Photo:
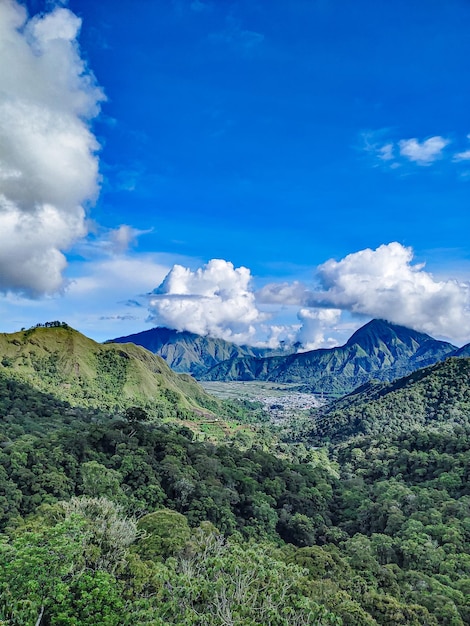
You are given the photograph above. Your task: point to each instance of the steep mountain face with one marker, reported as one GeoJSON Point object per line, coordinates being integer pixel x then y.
{"type": "Point", "coordinates": [432, 396]}
{"type": "Point", "coordinates": [189, 352]}
{"type": "Point", "coordinates": [74, 368]}
{"type": "Point", "coordinates": [378, 350]}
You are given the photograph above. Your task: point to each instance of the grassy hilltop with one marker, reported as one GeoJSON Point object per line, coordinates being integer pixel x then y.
{"type": "Point", "coordinates": [63, 362]}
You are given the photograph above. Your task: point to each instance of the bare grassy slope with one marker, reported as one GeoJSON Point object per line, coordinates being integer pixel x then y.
{"type": "Point", "coordinates": [62, 361]}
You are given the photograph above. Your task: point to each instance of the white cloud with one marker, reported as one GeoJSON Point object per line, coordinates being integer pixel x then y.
{"type": "Point", "coordinates": [423, 153]}
{"type": "Point", "coordinates": [28, 261]}
{"type": "Point", "coordinates": [48, 163]}
{"type": "Point", "coordinates": [385, 153]}
{"type": "Point", "coordinates": [283, 293]}
{"type": "Point", "coordinates": [315, 324]}
{"type": "Point", "coordinates": [113, 279]}
{"type": "Point", "coordinates": [96, 301]}
{"type": "Point", "coordinates": [276, 335]}
{"type": "Point", "coordinates": [382, 153]}
{"type": "Point", "coordinates": [122, 238]}
{"type": "Point", "coordinates": [392, 154]}
{"type": "Point", "coordinates": [462, 156]}
{"type": "Point", "coordinates": [214, 300]}
{"type": "Point", "coordinates": [384, 283]}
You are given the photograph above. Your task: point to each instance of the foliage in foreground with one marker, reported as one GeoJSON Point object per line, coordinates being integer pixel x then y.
{"type": "Point", "coordinates": [382, 537]}
{"type": "Point", "coordinates": [82, 563]}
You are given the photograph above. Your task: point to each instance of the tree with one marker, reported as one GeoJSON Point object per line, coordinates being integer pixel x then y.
{"type": "Point", "coordinates": [35, 569]}
{"type": "Point", "coordinates": [164, 533]}
{"type": "Point", "coordinates": [98, 481]}
{"type": "Point", "coordinates": [66, 573]}
{"type": "Point", "coordinates": [235, 582]}
{"type": "Point", "coordinates": [108, 532]}
{"type": "Point", "coordinates": [136, 414]}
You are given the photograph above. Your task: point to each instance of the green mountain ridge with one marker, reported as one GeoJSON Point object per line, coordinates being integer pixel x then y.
{"type": "Point", "coordinates": [187, 352]}
{"type": "Point", "coordinates": [378, 350]}
{"type": "Point", "coordinates": [63, 362]}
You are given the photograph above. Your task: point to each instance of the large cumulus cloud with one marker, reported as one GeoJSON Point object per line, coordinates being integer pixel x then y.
{"type": "Point", "coordinates": [215, 300]}
{"type": "Point", "coordinates": [48, 162]}
{"type": "Point", "coordinates": [384, 283]}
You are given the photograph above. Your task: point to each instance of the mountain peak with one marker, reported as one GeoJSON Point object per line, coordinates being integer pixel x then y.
{"type": "Point", "coordinates": [379, 331]}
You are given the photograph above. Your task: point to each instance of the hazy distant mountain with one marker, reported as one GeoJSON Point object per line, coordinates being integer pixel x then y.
{"type": "Point", "coordinates": [430, 396]}
{"type": "Point", "coordinates": [189, 352]}
{"type": "Point", "coordinates": [464, 351]}
{"type": "Point", "coordinates": [378, 350]}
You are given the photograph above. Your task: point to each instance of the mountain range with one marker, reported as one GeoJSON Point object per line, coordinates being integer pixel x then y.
{"type": "Point", "coordinates": [76, 369]}
{"type": "Point", "coordinates": [194, 354]}
{"type": "Point", "coordinates": [379, 350]}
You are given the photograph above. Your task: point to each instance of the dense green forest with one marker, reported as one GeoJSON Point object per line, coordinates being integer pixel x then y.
{"type": "Point", "coordinates": [114, 518]}
{"type": "Point", "coordinates": [439, 394]}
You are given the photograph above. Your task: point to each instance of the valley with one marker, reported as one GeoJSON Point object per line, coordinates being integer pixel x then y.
{"type": "Point", "coordinates": [280, 401]}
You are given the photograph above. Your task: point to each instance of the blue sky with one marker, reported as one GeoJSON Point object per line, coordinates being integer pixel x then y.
{"type": "Point", "coordinates": [322, 145]}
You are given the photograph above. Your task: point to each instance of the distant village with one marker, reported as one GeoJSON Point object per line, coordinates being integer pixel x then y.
{"type": "Point", "coordinates": [280, 407]}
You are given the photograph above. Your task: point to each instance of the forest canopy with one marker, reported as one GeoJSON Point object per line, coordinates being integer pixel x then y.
{"type": "Point", "coordinates": [135, 521]}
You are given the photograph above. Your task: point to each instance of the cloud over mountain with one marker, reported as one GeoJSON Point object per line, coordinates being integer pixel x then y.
{"type": "Point", "coordinates": [218, 300]}
{"type": "Point", "coordinates": [384, 283]}
{"type": "Point", "coordinates": [215, 300]}
{"type": "Point", "coordinates": [48, 162]}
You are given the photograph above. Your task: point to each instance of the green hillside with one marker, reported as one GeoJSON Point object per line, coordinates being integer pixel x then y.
{"type": "Point", "coordinates": [63, 362]}
{"type": "Point", "coordinates": [439, 394]}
